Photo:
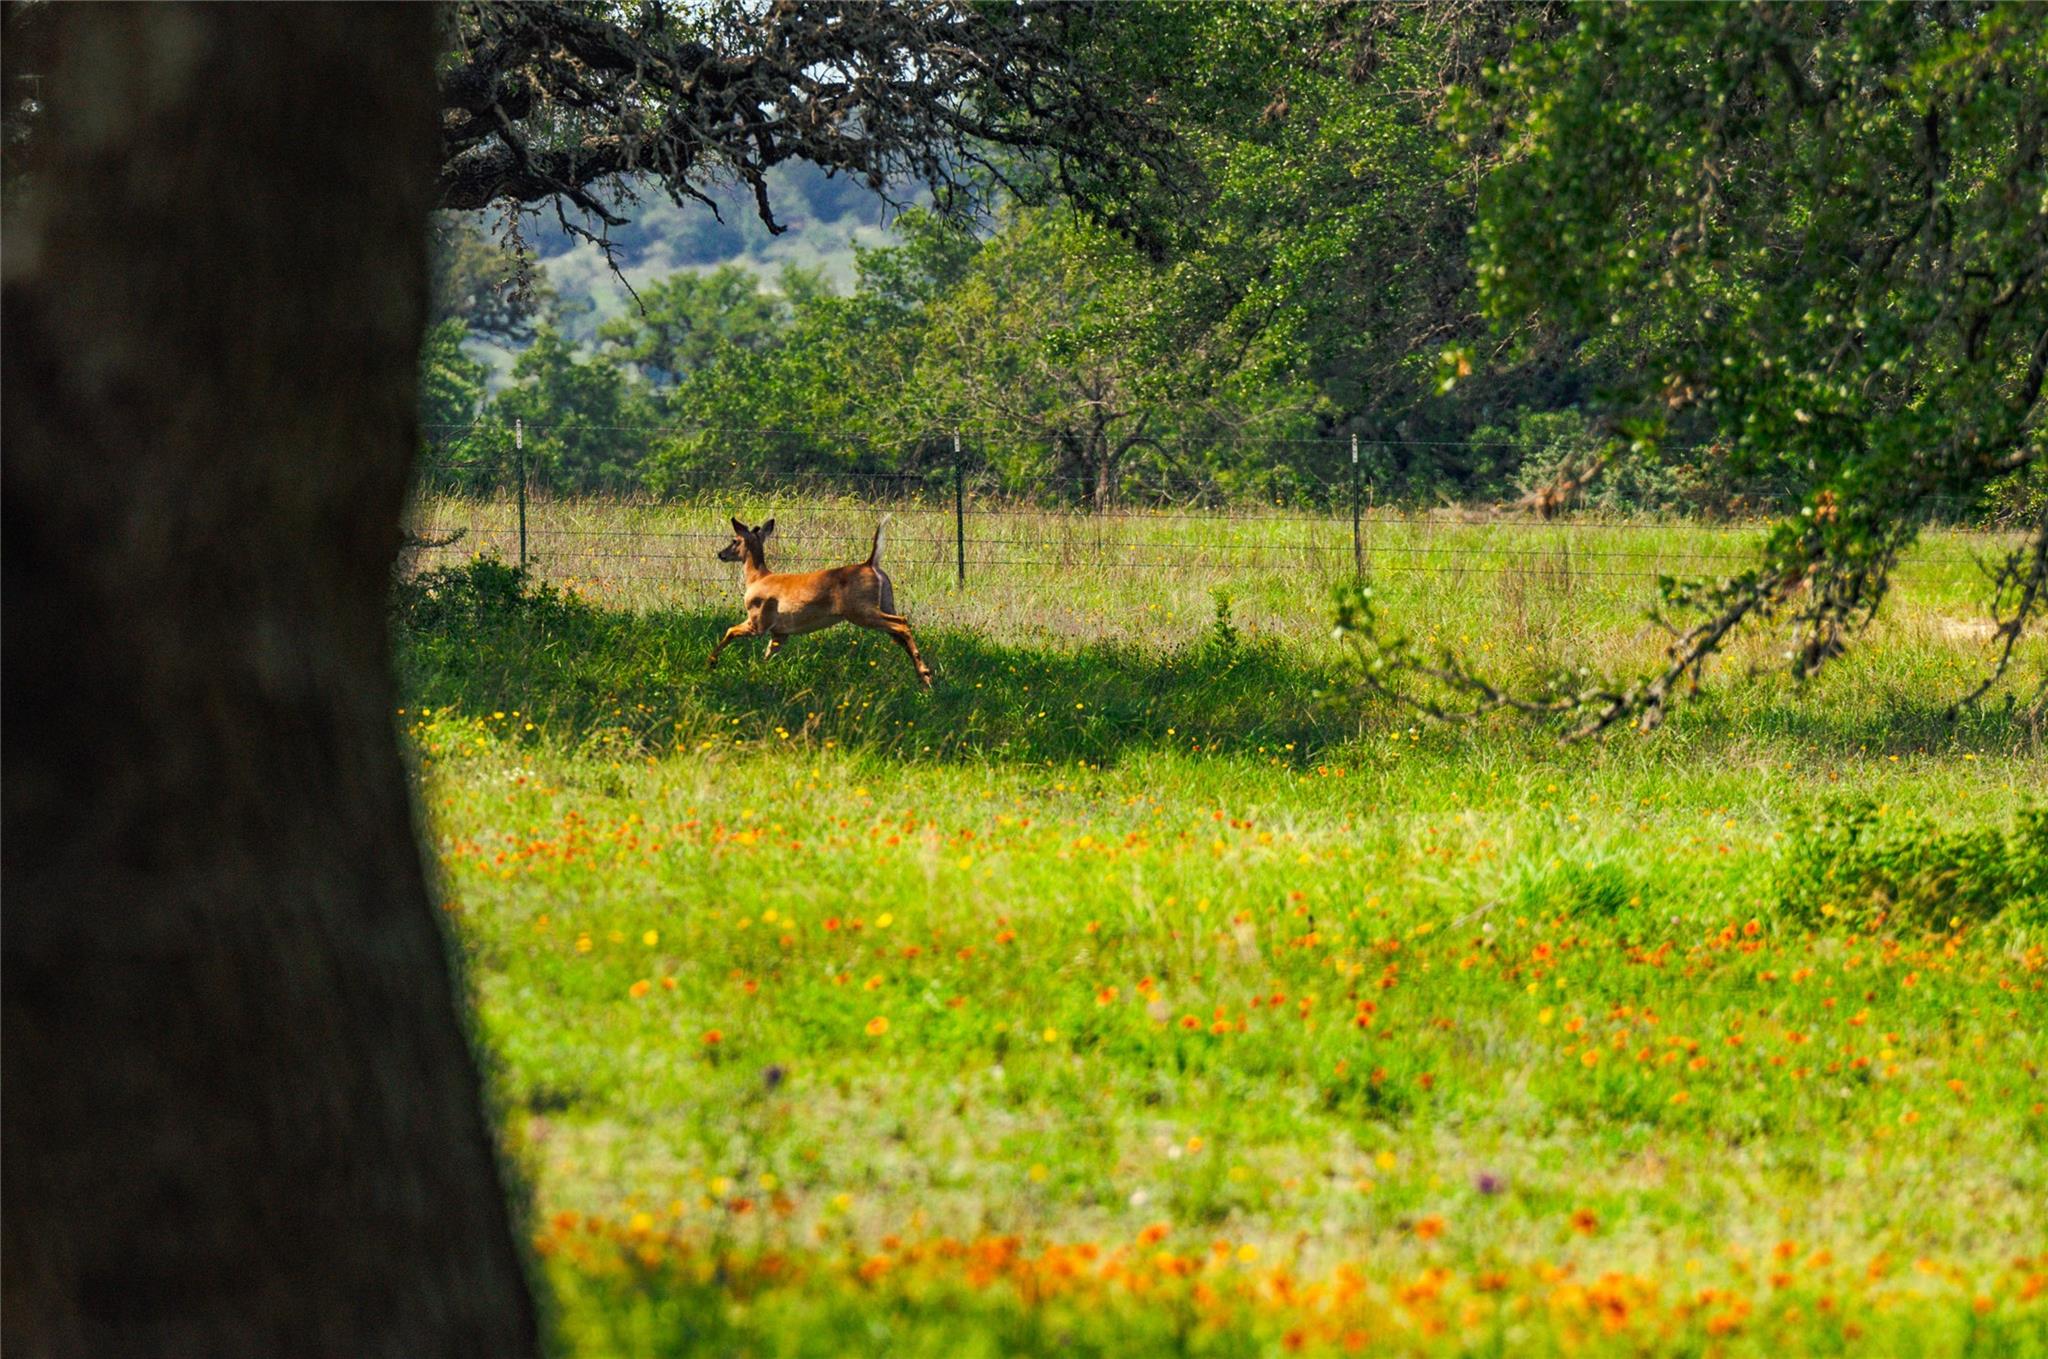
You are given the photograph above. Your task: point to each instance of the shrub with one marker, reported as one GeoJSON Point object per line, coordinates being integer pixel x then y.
{"type": "Point", "coordinates": [1861, 864]}
{"type": "Point", "coordinates": [483, 592]}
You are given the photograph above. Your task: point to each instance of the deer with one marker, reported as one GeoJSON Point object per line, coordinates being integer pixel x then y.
{"type": "Point", "coordinates": [785, 604]}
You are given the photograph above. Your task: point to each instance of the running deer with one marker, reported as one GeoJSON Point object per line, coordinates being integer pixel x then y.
{"type": "Point", "coordinates": [783, 604]}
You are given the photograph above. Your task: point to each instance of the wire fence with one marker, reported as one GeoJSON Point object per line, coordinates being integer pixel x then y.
{"type": "Point", "coordinates": [963, 529]}
{"type": "Point", "coordinates": [1216, 475]}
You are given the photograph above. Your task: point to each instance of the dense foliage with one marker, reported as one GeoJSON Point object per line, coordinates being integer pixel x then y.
{"type": "Point", "coordinates": [1812, 240]}
{"type": "Point", "coordinates": [1314, 261]}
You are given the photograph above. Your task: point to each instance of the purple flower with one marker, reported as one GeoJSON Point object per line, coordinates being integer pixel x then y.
{"type": "Point", "coordinates": [772, 1077]}
{"type": "Point", "coordinates": [1490, 1183]}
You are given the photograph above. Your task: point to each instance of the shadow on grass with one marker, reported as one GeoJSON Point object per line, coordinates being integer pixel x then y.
{"type": "Point", "coordinates": [1759, 713]}
{"type": "Point", "coordinates": [479, 639]}
{"type": "Point", "coordinates": [641, 680]}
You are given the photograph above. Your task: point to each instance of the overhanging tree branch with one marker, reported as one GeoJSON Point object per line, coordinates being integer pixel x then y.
{"type": "Point", "coordinates": [581, 102]}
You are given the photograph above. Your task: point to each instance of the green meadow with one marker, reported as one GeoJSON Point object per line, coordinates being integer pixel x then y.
{"type": "Point", "coordinates": [1143, 989]}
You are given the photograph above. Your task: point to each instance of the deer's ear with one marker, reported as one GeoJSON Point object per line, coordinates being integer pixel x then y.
{"type": "Point", "coordinates": [766, 528]}
{"type": "Point", "coordinates": [739, 528]}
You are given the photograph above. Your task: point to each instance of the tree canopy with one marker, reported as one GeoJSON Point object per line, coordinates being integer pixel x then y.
{"type": "Point", "coordinates": [582, 103]}
{"type": "Point", "coordinates": [1813, 241]}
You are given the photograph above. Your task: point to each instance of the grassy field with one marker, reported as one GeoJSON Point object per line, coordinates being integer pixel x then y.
{"type": "Point", "coordinates": [1142, 991]}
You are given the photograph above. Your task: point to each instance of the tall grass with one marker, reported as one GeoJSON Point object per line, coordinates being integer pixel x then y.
{"type": "Point", "coordinates": [1216, 640]}
{"type": "Point", "coordinates": [1035, 574]}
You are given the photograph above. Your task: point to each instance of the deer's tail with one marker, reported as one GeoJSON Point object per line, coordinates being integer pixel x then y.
{"type": "Point", "coordinates": [875, 552]}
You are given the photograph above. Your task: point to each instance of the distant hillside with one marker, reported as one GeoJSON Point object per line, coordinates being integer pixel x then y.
{"type": "Point", "coordinates": [826, 217]}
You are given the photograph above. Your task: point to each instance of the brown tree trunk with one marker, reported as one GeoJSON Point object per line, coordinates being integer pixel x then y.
{"type": "Point", "coordinates": [241, 1113]}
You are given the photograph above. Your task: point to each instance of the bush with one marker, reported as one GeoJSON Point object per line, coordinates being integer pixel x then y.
{"type": "Point", "coordinates": [483, 592]}
{"type": "Point", "coordinates": [1862, 865]}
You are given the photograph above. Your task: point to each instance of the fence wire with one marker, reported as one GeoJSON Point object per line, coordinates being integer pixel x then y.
{"type": "Point", "coordinates": [958, 525]}
{"type": "Point", "coordinates": [663, 551]}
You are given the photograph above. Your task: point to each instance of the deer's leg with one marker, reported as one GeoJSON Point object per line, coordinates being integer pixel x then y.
{"type": "Point", "coordinates": [898, 628]}
{"type": "Point", "coordinates": [760, 619]}
{"type": "Point", "coordinates": [745, 629]}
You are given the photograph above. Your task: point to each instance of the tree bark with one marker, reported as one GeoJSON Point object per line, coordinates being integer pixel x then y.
{"type": "Point", "coordinates": [242, 1115]}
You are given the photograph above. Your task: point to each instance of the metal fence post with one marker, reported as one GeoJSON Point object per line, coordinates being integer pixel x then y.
{"type": "Point", "coordinates": [959, 516]}
{"type": "Point", "coordinates": [519, 458]}
{"type": "Point", "coordinates": [1357, 541]}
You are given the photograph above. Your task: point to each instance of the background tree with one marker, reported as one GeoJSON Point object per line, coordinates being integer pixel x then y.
{"type": "Point", "coordinates": [454, 450]}
{"type": "Point", "coordinates": [493, 288]}
{"type": "Point", "coordinates": [242, 1116]}
{"type": "Point", "coordinates": [688, 320]}
{"type": "Point", "coordinates": [1818, 238]}
{"type": "Point", "coordinates": [587, 421]}
{"type": "Point", "coordinates": [1326, 239]}
{"type": "Point", "coordinates": [1048, 351]}
{"type": "Point", "coordinates": [824, 391]}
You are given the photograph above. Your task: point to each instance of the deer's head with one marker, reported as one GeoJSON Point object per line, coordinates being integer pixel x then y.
{"type": "Point", "coordinates": [746, 544]}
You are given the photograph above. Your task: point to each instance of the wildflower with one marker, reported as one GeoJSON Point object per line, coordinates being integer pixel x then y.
{"type": "Point", "coordinates": [1584, 1222]}
{"type": "Point", "coordinates": [651, 938]}
{"type": "Point", "coordinates": [639, 989]}
{"type": "Point", "coordinates": [1489, 1183]}
{"type": "Point", "coordinates": [878, 1026]}
{"type": "Point", "coordinates": [772, 1077]}
{"type": "Point", "coordinates": [1430, 1228]}
{"type": "Point", "coordinates": [712, 1038]}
